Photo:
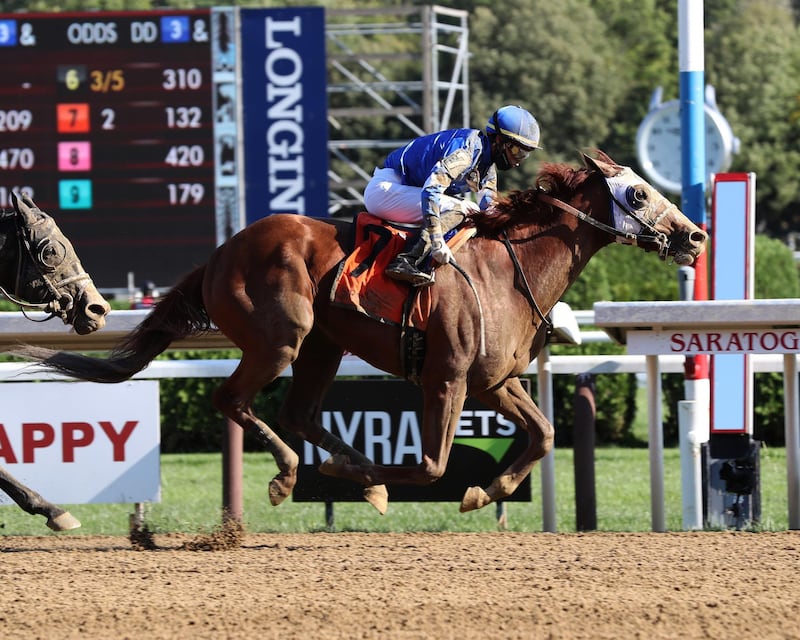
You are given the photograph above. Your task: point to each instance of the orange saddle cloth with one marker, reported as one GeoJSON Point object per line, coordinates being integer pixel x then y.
{"type": "Point", "coordinates": [361, 284]}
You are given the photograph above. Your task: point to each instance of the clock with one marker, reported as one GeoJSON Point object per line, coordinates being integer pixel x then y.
{"type": "Point", "coordinates": [658, 142]}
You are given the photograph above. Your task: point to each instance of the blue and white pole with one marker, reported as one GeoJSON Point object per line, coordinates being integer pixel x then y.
{"type": "Point", "coordinates": [693, 177]}
{"type": "Point", "coordinates": [692, 100]}
{"type": "Point", "coordinates": [693, 140]}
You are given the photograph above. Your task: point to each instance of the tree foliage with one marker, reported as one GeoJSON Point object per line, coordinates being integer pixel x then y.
{"type": "Point", "coordinates": [587, 68]}
{"type": "Point", "coordinates": [753, 61]}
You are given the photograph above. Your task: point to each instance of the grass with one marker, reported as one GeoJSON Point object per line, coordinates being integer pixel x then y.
{"type": "Point", "coordinates": [192, 497]}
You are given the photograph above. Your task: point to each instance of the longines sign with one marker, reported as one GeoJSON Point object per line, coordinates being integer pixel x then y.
{"type": "Point", "coordinates": [383, 419]}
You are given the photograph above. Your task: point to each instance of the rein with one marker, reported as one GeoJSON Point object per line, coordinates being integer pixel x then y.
{"type": "Point", "coordinates": [527, 289]}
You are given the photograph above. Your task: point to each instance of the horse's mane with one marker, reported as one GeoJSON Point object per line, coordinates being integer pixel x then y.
{"type": "Point", "coordinates": [524, 206]}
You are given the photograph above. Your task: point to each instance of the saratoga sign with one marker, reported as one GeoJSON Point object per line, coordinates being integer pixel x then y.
{"type": "Point", "coordinates": [714, 342]}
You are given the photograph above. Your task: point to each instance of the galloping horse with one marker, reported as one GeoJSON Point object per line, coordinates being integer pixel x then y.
{"type": "Point", "coordinates": [40, 270]}
{"type": "Point", "coordinates": [267, 289]}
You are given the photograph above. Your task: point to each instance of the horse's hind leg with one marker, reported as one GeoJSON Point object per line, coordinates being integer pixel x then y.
{"type": "Point", "coordinates": [234, 398]}
{"type": "Point", "coordinates": [512, 400]}
{"type": "Point", "coordinates": [312, 374]}
{"type": "Point", "coordinates": [31, 502]}
{"type": "Point", "coordinates": [267, 313]}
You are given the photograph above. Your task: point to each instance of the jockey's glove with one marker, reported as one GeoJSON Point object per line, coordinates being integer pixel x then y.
{"type": "Point", "coordinates": [439, 249]}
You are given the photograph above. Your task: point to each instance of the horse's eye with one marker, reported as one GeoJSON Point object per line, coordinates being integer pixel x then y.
{"type": "Point", "coordinates": [52, 254]}
{"type": "Point", "coordinates": [636, 196]}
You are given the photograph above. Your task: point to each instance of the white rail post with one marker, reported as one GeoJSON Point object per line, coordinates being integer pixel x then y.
{"type": "Point", "coordinates": [691, 436]}
{"type": "Point", "coordinates": [655, 444]}
{"type": "Point", "coordinates": [792, 433]}
{"type": "Point", "coordinates": [544, 381]}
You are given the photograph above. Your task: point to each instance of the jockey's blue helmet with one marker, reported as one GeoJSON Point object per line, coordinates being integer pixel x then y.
{"type": "Point", "coordinates": [516, 124]}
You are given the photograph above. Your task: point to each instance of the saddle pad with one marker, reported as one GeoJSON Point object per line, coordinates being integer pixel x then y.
{"type": "Point", "coordinates": [360, 283]}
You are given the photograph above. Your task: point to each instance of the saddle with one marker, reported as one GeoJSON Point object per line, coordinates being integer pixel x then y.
{"type": "Point", "coordinates": [361, 284]}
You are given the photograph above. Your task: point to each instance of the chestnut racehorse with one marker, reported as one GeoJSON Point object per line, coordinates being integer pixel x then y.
{"type": "Point", "coordinates": [40, 270]}
{"type": "Point", "coordinates": [268, 290]}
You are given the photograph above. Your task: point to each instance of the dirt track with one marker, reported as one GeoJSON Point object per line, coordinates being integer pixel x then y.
{"type": "Point", "coordinates": [350, 585]}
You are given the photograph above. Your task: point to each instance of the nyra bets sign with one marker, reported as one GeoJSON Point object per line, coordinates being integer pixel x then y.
{"type": "Point", "coordinates": [383, 420]}
{"type": "Point", "coordinates": [81, 442]}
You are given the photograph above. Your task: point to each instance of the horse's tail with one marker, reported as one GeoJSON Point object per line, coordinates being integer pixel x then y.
{"type": "Point", "coordinates": [178, 315]}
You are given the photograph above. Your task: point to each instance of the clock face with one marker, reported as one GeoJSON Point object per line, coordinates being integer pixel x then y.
{"type": "Point", "coordinates": [658, 145]}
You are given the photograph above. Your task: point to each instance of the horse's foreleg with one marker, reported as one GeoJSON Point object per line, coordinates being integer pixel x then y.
{"type": "Point", "coordinates": [513, 402]}
{"type": "Point", "coordinates": [31, 502]}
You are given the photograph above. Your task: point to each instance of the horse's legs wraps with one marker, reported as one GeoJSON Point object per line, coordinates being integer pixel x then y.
{"type": "Point", "coordinates": [31, 502]}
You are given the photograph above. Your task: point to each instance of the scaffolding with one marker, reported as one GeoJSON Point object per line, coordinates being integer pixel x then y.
{"type": "Point", "coordinates": [401, 71]}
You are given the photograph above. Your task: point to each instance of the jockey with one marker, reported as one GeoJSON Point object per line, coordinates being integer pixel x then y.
{"type": "Point", "coordinates": [427, 179]}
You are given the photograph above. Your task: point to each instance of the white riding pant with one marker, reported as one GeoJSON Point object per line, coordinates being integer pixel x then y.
{"type": "Point", "coordinates": [386, 197]}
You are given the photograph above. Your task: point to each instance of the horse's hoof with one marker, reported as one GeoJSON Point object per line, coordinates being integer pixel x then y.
{"type": "Point", "coordinates": [280, 488]}
{"type": "Point", "coordinates": [276, 493]}
{"type": "Point", "coordinates": [378, 497]}
{"type": "Point", "coordinates": [332, 465]}
{"type": "Point", "coordinates": [64, 522]}
{"type": "Point", "coordinates": [474, 498]}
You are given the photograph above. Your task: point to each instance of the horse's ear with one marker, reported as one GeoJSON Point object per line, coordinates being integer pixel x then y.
{"type": "Point", "coordinates": [24, 206]}
{"type": "Point", "coordinates": [608, 169]}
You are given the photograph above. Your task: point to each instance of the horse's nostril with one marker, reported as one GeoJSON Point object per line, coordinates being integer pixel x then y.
{"type": "Point", "coordinates": [98, 310]}
{"type": "Point", "coordinates": [699, 237]}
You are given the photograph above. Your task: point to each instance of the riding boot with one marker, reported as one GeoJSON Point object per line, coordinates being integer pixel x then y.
{"type": "Point", "coordinates": [406, 266]}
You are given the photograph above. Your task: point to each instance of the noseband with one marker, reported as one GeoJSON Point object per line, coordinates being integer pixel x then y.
{"type": "Point", "coordinates": [61, 302]}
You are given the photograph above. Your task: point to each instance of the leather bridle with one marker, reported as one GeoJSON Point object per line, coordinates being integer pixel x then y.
{"type": "Point", "coordinates": [61, 302]}
{"type": "Point", "coordinates": [654, 237]}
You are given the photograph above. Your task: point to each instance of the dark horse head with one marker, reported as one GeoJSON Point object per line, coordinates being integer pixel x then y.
{"type": "Point", "coordinates": [40, 270]}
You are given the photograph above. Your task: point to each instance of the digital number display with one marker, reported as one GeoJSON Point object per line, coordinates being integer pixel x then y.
{"type": "Point", "coordinates": [107, 119]}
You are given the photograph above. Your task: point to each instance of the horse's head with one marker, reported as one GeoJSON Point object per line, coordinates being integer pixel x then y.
{"type": "Point", "coordinates": [49, 274]}
{"type": "Point", "coordinates": [642, 216]}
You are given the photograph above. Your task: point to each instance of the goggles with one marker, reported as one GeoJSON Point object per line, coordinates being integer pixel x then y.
{"type": "Point", "coordinates": [517, 151]}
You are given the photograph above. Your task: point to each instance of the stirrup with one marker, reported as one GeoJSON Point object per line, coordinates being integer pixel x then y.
{"type": "Point", "coordinates": [402, 269]}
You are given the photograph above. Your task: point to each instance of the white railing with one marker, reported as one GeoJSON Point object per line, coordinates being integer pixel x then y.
{"type": "Point", "coordinates": [15, 328]}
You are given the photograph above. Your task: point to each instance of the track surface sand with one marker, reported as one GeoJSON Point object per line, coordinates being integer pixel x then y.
{"type": "Point", "coordinates": [362, 585]}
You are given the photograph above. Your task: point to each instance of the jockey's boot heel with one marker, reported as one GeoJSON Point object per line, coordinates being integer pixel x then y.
{"type": "Point", "coordinates": [403, 268]}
